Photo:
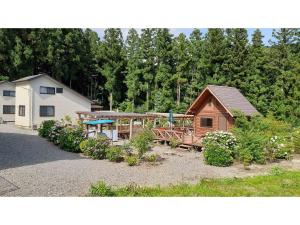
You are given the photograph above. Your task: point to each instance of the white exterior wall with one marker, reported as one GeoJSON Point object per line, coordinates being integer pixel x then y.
{"type": "Point", "coordinates": [23, 97]}
{"type": "Point", "coordinates": [66, 103]}
{"type": "Point", "coordinates": [6, 100]}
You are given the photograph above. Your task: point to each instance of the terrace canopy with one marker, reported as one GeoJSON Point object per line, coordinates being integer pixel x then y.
{"type": "Point", "coordinates": [122, 129]}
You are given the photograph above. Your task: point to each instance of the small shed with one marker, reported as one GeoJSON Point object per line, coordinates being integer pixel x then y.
{"type": "Point", "coordinates": [213, 108]}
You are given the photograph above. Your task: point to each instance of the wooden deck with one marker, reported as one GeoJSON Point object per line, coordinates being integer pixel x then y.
{"type": "Point", "coordinates": [185, 139]}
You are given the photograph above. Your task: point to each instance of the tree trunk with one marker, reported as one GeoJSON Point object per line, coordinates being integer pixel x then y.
{"type": "Point", "coordinates": [110, 101]}
{"type": "Point", "coordinates": [132, 106]}
{"type": "Point", "coordinates": [147, 97]}
{"type": "Point", "coordinates": [178, 94]}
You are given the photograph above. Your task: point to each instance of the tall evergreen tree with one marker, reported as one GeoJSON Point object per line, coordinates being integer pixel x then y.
{"type": "Point", "coordinates": [195, 81]}
{"type": "Point", "coordinates": [237, 58]}
{"type": "Point", "coordinates": [164, 94]}
{"type": "Point", "coordinates": [112, 53]}
{"type": "Point", "coordinates": [214, 57]}
{"type": "Point", "coordinates": [284, 75]}
{"type": "Point", "coordinates": [257, 90]}
{"type": "Point", "coordinates": [182, 63]}
{"type": "Point", "coordinates": [149, 64]}
{"type": "Point", "coordinates": [134, 77]}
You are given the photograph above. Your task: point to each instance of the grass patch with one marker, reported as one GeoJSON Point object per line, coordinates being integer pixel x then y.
{"type": "Point", "coordinates": [277, 183]}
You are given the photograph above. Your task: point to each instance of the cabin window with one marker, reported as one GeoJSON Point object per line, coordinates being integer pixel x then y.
{"type": "Point", "coordinates": [206, 122]}
{"type": "Point", "coordinates": [21, 110]}
{"type": "Point", "coordinates": [47, 90]}
{"type": "Point", "coordinates": [59, 90]}
{"type": "Point", "coordinates": [47, 110]}
{"type": "Point", "coordinates": [9, 93]}
{"type": "Point", "coordinates": [8, 109]}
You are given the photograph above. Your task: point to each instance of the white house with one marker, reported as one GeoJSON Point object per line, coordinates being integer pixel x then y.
{"type": "Point", "coordinates": [40, 97]}
{"type": "Point", "coordinates": [7, 101]}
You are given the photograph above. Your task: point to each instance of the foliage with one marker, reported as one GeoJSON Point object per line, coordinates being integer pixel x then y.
{"type": "Point", "coordinates": [219, 148]}
{"type": "Point", "coordinates": [45, 128]}
{"type": "Point", "coordinates": [4, 78]}
{"type": "Point", "coordinates": [70, 138]}
{"type": "Point", "coordinates": [132, 160]}
{"type": "Point", "coordinates": [152, 158]}
{"type": "Point", "coordinates": [142, 141]}
{"type": "Point", "coordinates": [156, 71]}
{"type": "Point", "coordinates": [278, 183]}
{"type": "Point", "coordinates": [114, 154]}
{"type": "Point", "coordinates": [296, 140]}
{"type": "Point", "coordinates": [55, 132]}
{"type": "Point", "coordinates": [102, 190]}
{"type": "Point", "coordinates": [262, 139]}
{"type": "Point", "coordinates": [174, 142]}
{"type": "Point", "coordinates": [95, 147]}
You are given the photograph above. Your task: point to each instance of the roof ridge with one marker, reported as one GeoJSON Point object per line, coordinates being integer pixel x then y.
{"type": "Point", "coordinates": [222, 86]}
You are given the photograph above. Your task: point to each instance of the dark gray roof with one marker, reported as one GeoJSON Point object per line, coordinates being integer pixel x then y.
{"type": "Point", "coordinates": [28, 78]}
{"type": "Point", "coordinates": [232, 99]}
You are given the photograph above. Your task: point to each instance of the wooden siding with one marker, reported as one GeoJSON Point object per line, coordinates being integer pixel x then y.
{"type": "Point", "coordinates": [214, 110]}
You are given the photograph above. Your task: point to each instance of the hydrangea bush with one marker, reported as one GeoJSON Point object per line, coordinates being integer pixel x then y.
{"type": "Point", "coordinates": [219, 148]}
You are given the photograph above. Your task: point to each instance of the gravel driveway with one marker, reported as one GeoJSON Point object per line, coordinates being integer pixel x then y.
{"type": "Point", "coordinates": [31, 166]}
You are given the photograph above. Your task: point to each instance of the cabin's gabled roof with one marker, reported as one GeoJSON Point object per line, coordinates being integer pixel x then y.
{"type": "Point", "coordinates": [229, 97]}
{"type": "Point", "coordinates": [29, 78]}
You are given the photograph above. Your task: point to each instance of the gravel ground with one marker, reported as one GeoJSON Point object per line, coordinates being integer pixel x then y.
{"type": "Point", "coordinates": [31, 166]}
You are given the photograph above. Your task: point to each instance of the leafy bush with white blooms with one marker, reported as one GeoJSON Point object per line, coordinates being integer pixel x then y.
{"type": "Point", "coordinates": [219, 148]}
{"type": "Point", "coordinates": [278, 148]}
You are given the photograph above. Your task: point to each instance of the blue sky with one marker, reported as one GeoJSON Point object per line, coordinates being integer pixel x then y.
{"type": "Point", "coordinates": [267, 32]}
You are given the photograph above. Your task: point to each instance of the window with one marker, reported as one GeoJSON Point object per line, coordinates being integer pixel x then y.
{"type": "Point", "coordinates": [206, 122]}
{"type": "Point", "coordinates": [9, 93]}
{"type": "Point", "coordinates": [59, 90]}
{"type": "Point", "coordinates": [8, 109]}
{"type": "Point", "coordinates": [21, 110]}
{"type": "Point", "coordinates": [47, 111]}
{"type": "Point", "coordinates": [47, 90]}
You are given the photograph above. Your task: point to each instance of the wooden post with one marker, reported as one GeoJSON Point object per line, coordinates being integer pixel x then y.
{"type": "Point", "coordinates": [143, 123]}
{"type": "Point", "coordinates": [112, 133]}
{"type": "Point", "coordinates": [117, 128]}
{"type": "Point", "coordinates": [130, 128]}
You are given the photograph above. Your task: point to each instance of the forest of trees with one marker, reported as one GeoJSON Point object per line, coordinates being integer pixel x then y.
{"type": "Point", "coordinates": [153, 70]}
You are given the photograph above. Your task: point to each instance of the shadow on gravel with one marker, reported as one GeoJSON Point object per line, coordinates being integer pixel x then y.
{"type": "Point", "coordinates": [22, 149]}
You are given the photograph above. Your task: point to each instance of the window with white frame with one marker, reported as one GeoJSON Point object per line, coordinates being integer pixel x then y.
{"type": "Point", "coordinates": [9, 93]}
{"type": "Point", "coordinates": [47, 111]}
{"type": "Point", "coordinates": [47, 90]}
{"type": "Point", "coordinates": [8, 109]}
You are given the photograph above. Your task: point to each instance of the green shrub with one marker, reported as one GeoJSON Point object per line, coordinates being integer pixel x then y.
{"type": "Point", "coordinates": [296, 140]}
{"type": "Point", "coordinates": [142, 141]}
{"type": "Point", "coordinates": [174, 142]}
{"type": "Point", "coordinates": [95, 147]}
{"type": "Point", "coordinates": [114, 154]}
{"type": "Point", "coordinates": [262, 139]}
{"type": "Point", "coordinates": [219, 148]}
{"type": "Point", "coordinates": [102, 190]}
{"type": "Point", "coordinates": [132, 160]}
{"type": "Point", "coordinates": [152, 157]}
{"type": "Point", "coordinates": [251, 147]}
{"type": "Point", "coordinates": [45, 128]}
{"type": "Point", "coordinates": [70, 138]}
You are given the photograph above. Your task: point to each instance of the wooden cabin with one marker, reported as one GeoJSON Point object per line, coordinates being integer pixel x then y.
{"type": "Point", "coordinates": [212, 110]}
